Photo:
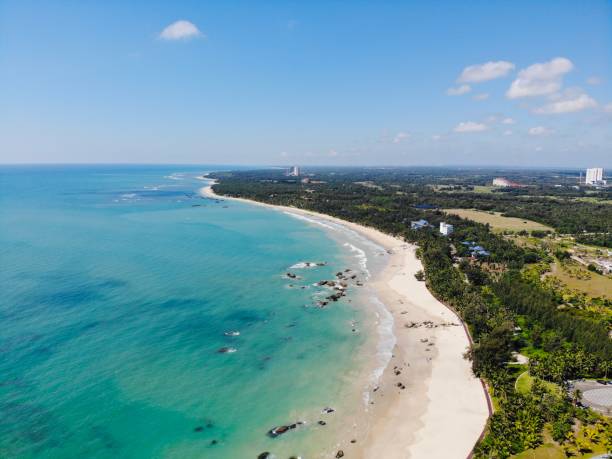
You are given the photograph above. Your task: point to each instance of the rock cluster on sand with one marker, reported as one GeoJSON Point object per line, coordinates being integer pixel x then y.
{"type": "Point", "coordinates": [430, 324]}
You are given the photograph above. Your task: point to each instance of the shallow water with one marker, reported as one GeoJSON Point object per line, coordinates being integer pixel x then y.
{"type": "Point", "coordinates": [118, 283]}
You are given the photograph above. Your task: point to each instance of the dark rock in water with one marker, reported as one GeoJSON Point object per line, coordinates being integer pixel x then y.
{"type": "Point", "coordinates": [353, 441]}
{"type": "Point", "coordinates": [214, 442]}
{"type": "Point", "coordinates": [265, 455]}
{"type": "Point", "coordinates": [339, 454]}
{"type": "Point", "coordinates": [322, 423]}
{"type": "Point", "coordinates": [336, 296]}
{"type": "Point", "coordinates": [226, 350]}
{"type": "Point", "coordinates": [279, 430]}
{"type": "Point", "coordinates": [209, 425]}
{"type": "Point", "coordinates": [198, 429]}
{"type": "Point", "coordinates": [327, 410]}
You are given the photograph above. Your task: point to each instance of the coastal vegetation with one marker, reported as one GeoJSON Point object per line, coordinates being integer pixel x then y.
{"type": "Point", "coordinates": [503, 295]}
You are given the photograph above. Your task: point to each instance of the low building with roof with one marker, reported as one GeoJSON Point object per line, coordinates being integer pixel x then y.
{"type": "Point", "coordinates": [419, 224]}
{"type": "Point", "coordinates": [595, 395]}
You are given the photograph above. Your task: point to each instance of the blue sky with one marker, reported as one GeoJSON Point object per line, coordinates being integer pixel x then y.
{"type": "Point", "coordinates": [307, 82]}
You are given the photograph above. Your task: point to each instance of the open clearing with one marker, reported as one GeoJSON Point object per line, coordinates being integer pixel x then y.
{"type": "Point", "coordinates": [497, 221]}
{"type": "Point", "coordinates": [593, 284]}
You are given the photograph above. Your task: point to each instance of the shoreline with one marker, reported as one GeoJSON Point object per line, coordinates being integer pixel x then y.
{"type": "Point", "coordinates": [442, 409]}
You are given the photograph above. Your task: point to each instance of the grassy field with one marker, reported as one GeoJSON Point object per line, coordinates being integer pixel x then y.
{"type": "Point", "coordinates": [546, 451]}
{"type": "Point", "coordinates": [591, 283]}
{"type": "Point", "coordinates": [554, 451]}
{"type": "Point", "coordinates": [524, 383]}
{"type": "Point", "coordinates": [483, 189]}
{"type": "Point", "coordinates": [497, 221]}
{"type": "Point", "coordinates": [594, 200]}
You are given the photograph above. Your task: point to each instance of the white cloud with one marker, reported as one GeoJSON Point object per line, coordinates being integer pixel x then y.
{"type": "Point", "coordinates": [540, 130]}
{"type": "Point", "coordinates": [458, 91]}
{"type": "Point", "coordinates": [540, 79]}
{"type": "Point", "coordinates": [508, 121]}
{"type": "Point", "coordinates": [538, 149]}
{"type": "Point", "coordinates": [437, 137]}
{"type": "Point", "coordinates": [593, 81]}
{"type": "Point", "coordinates": [470, 126]}
{"type": "Point", "coordinates": [485, 72]}
{"type": "Point", "coordinates": [608, 108]}
{"type": "Point", "coordinates": [567, 104]}
{"type": "Point", "coordinates": [481, 96]}
{"type": "Point", "coordinates": [508, 132]}
{"type": "Point", "coordinates": [180, 30]}
{"type": "Point", "coordinates": [400, 136]}
{"type": "Point", "coordinates": [333, 153]}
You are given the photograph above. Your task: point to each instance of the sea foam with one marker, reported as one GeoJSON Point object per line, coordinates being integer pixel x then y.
{"type": "Point", "coordinates": [361, 258]}
{"type": "Point", "coordinates": [384, 347]}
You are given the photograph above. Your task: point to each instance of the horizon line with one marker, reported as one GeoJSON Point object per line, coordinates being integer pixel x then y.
{"type": "Point", "coordinates": [263, 166]}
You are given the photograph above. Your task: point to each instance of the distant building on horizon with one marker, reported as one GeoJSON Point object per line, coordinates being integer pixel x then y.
{"type": "Point", "coordinates": [294, 171]}
{"type": "Point", "coordinates": [594, 177]}
{"type": "Point", "coordinates": [446, 229]}
{"type": "Point", "coordinates": [503, 182]}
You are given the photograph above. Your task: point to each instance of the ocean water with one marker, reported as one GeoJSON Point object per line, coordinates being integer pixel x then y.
{"type": "Point", "coordinates": [118, 284]}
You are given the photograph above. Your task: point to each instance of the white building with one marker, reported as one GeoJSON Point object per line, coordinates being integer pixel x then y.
{"type": "Point", "coordinates": [594, 176]}
{"type": "Point", "coordinates": [294, 171]}
{"type": "Point", "coordinates": [501, 182]}
{"type": "Point", "coordinates": [446, 229]}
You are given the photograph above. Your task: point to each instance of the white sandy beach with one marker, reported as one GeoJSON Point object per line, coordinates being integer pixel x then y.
{"type": "Point", "coordinates": [443, 409]}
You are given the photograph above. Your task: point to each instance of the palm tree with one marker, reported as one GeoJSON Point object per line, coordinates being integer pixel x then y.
{"type": "Point", "coordinates": [576, 396]}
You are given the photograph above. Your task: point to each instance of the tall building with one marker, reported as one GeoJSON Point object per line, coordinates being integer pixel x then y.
{"type": "Point", "coordinates": [446, 229]}
{"type": "Point", "coordinates": [294, 171]}
{"type": "Point", "coordinates": [594, 176]}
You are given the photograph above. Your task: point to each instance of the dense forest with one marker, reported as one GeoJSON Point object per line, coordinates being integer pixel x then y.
{"type": "Point", "coordinates": [505, 308]}
{"type": "Point", "coordinates": [565, 208]}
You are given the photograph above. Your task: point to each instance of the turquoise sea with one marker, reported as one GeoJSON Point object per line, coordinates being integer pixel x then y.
{"type": "Point", "coordinates": [118, 285]}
